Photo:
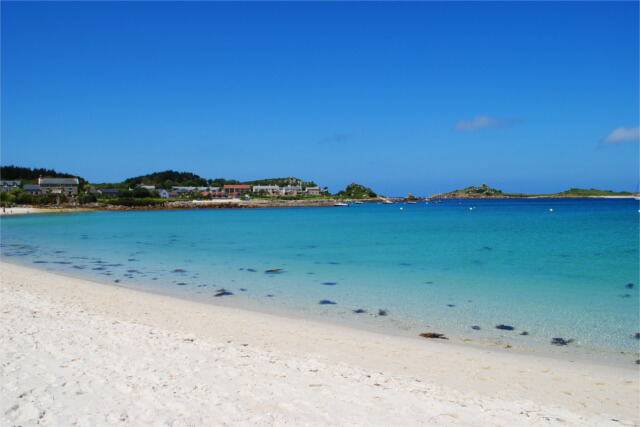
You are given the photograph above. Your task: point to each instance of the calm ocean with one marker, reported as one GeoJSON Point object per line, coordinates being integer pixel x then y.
{"type": "Point", "coordinates": [553, 268]}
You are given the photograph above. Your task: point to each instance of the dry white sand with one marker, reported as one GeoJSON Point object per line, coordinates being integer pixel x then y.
{"type": "Point", "coordinates": [76, 352]}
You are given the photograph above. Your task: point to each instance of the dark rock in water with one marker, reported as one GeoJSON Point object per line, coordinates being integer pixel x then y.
{"type": "Point", "coordinates": [59, 252]}
{"type": "Point", "coordinates": [359, 311]}
{"type": "Point", "coordinates": [275, 270]}
{"type": "Point", "coordinates": [433, 335]}
{"type": "Point", "coordinates": [243, 290]}
{"type": "Point", "coordinates": [428, 283]}
{"type": "Point", "coordinates": [269, 295]}
{"type": "Point", "coordinates": [505, 327]}
{"type": "Point", "coordinates": [251, 270]}
{"type": "Point", "coordinates": [132, 259]}
{"type": "Point", "coordinates": [451, 305]}
{"type": "Point", "coordinates": [404, 264]}
{"type": "Point", "coordinates": [625, 296]}
{"type": "Point", "coordinates": [182, 284]}
{"type": "Point", "coordinates": [329, 283]}
{"type": "Point", "coordinates": [99, 268]}
{"type": "Point", "coordinates": [475, 328]}
{"type": "Point", "coordinates": [79, 267]}
{"type": "Point", "coordinates": [131, 271]}
{"type": "Point", "coordinates": [382, 312]}
{"type": "Point", "coordinates": [487, 248]}
{"type": "Point", "coordinates": [629, 286]}
{"type": "Point", "coordinates": [637, 361]}
{"type": "Point", "coordinates": [636, 336]}
{"type": "Point", "coordinates": [223, 293]}
{"type": "Point", "coordinates": [561, 341]}
{"type": "Point", "coordinates": [477, 262]}
{"type": "Point", "coordinates": [117, 280]}
{"type": "Point", "coordinates": [326, 302]}
{"type": "Point", "coordinates": [524, 333]}
{"type": "Point", "coordinates": [62, 262]}
{"type": "Point", "coordinates": [241, 269]}
{"type": "Point", "coordinates": [333, 263]}
{"type": "Point", "coordinates": [179, 270]}
{"type": "Point", "coordinates": [40, 262]}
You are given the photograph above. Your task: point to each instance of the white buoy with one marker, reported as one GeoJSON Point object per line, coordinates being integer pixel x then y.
{"type": "Point", "coordinates": [550, 210]}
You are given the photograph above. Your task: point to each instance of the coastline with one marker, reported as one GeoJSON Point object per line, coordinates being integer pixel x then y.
{"type": "Point", "coordinates": [198, 363]}
{"type": "Point", "coordinates": [254, 204]}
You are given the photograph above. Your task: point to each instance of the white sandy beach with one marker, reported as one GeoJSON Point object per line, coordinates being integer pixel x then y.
{"type": "Point", "coordinates": [77, 352]}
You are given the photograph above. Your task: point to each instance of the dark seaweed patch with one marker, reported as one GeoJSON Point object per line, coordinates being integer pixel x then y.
{"type": "Point", "coordinates": [428, 283]}
{"type": "Point", "coordinates": [251, 270]}
{"type": "Point", "coordinates": [561, 341]}
{"type": "Point", "coordinates": [326, 302]}
{"type": "Point", "coordinates": [132, 259]}
{"type": "Point", "coordinates": [99, 268]}
{"type": "Point", "coordinates": [79, 267]}
{"type": "Point", "coordinates": [405, 264]}
{"type": "Point", "coordinates": [505, 327]}
{"type": "Point", "coordinates": [487, 248]}
{"type": "Point", "coordinates": [41, 262]}
{"type": "Point", "coordinates": [243, 290]}
{"type": "Point", "coordinates": [333, 263]}
{"type": "Point", "coordinates": [359, 311]}
{"type": "Point", "coordinates": [629, 286]}
{"type": "Point", "coordinates": [524, 333]}
{"type": "Point", "coordinates": [179, 270]}
{"type": "Point", "coordinates": [382, 312]}
{"type": "Point", "coordinates": [223, 293]}
{"type": "Point", "coordinates": [181, 284]}
{"type": "Point", "coordinates": [269, 295]}
{"type": "Point", "coordinates": [275, 271]}
{"type": "Point", "coordinates": [117, 281]}
{"type": "Point", "coordinates": [475, 328]}
{"type": "Point", "coordinates": [62, 262]}
{"type": "Point", "coordinates": [329, 283]}
{"type": "Point", "coordinates": [451, 305]}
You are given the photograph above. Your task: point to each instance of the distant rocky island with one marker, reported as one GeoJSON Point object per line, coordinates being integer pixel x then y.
{"type": "Point", "coordinates": [486, 192]}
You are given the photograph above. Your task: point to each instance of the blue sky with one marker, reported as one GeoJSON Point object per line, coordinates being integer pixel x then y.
{"type": "Point", "coordinates": [416, 97]}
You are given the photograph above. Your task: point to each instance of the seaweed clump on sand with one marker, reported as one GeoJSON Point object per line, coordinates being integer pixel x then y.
{"type": "Point", "coordinates": [222, 292]}
{"type": "Point", "coordinates": [433, 335]}
{"type": "Point", "coordinates": [561, 341]}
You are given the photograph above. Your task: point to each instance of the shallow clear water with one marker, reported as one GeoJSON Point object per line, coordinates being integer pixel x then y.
{"type": "Point", "coordinates": [569, 273]}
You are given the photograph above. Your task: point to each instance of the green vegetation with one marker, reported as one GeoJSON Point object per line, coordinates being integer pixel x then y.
{"type": "Point", "coordinates": [578, 192]}
{"type": "Point", "coordinates": [356, 191]}
{"type": "Point", "coordinates": [474, 192]}
{"type": "Point", "coordinates": [30, 176]}
{"type": "Point", "coordinates": [282, 182]}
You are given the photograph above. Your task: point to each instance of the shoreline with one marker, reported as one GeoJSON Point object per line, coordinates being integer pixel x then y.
{"type": "Point", "coordinates": [464, 384]}
{"type": "Point", "coordinates": [253, 204]}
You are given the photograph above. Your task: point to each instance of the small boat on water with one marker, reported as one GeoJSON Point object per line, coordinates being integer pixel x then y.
{"type": "Point", "coordinates": [413, 202]}
{"type": "Point", "coordinates": [340, 204]}
{"type": "Point", "coordinates": [387, 202]}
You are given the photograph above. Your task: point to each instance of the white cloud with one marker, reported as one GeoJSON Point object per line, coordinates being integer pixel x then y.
{"type": "Point", "coordinates": [622, 135]}
{"type": "Point", "coordinates": [482, 122]}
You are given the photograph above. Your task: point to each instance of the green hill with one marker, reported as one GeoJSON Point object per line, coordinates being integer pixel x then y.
{"type": "Point", "coordinates": [356, 191]}
{"type": "Point", "coordinates": [282, 182]}
{"type": "Point", "coordinates": [578, 192]}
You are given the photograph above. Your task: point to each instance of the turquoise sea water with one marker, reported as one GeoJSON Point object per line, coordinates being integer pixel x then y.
{"type": "Point", "coordinates": [568, 273]}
